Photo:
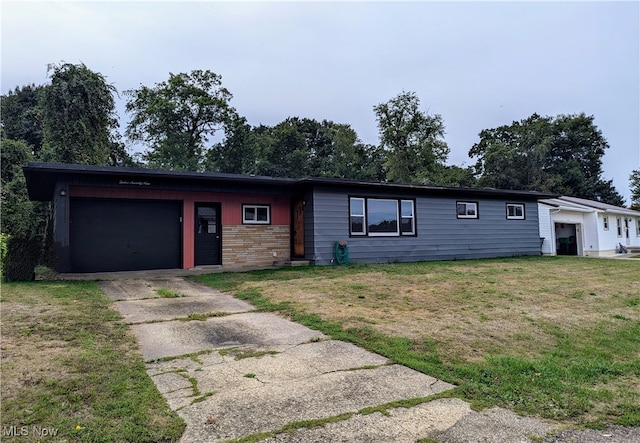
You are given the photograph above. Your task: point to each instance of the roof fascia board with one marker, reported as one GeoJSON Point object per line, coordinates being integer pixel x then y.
{"type": "Point", "coordinates": [53, 171]}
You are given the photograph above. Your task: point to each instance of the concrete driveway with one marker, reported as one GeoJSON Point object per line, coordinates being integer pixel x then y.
{"type": "Point", "coordinates": [231, 372]}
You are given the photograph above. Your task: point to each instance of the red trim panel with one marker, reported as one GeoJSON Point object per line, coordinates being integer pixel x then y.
{"type": "Point", "coordinates": [231, 207]}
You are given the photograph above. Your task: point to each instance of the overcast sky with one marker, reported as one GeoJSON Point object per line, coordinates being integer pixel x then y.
{"type": "Point", "coordinates": [478, 64]}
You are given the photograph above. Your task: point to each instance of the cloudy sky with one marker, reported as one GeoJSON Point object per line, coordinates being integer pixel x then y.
{"type": "Point", "coordinates": [477, 64]}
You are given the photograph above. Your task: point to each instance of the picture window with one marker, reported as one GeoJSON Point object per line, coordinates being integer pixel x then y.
{"type": "Point", "coordinates": [381, 217]}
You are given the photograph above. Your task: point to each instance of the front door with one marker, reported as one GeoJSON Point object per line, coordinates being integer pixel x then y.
{"type": "Point", "coordinates": [207, 234]}
{"type": "Point", "coordinates": [298, 228]}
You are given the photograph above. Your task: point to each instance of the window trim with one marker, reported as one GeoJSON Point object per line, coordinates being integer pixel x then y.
{"type": "Point", "coordinates": [516, 217]}
{"type": "Point", "coordinates": [365, 218]}
{"type": "Point", "coordinates": [619, 226]}
{"type": "Point", "coordinates": [362, 233]}
{"type": "Point", "coordinates": [605, 222]}
{"type": "Point", "coordinates": [389, 233]}
{"type": "Point", "coordinates": [638, 227]}
{"type": "Point", "coordinates": [466, 216]}
{"type": "Point", "coordinates": [412, 217]}
{"type": "Point", "coordinates": [256, 207]}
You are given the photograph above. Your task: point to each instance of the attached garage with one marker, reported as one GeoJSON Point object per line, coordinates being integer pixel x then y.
{"type": "Point", "coordinates": [109, 219]}
{"type": "Point", "coordinates": [118, 235]}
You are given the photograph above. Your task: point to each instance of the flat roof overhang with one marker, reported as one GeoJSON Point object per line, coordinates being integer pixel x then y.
{"type": "Point", "coordinates": [42, 179]}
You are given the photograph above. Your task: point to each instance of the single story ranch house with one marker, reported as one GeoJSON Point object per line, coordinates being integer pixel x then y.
{"type": "Point", "coordinates": [575, 226]}
{"type": "Point", "coordinates": [120, 218]}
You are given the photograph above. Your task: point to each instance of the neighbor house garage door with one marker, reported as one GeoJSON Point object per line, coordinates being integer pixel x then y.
{"type": "Point", "coordinates": [124, 235]}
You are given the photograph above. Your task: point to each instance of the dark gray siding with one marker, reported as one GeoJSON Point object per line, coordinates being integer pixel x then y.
{"type": "Point", "coordinates": [440, 235]}
{"type": "Point", "coordinates": [61, 227]}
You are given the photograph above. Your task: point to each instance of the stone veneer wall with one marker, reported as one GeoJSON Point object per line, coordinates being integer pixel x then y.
{"type": "Point", "coordinates": [253, 246]}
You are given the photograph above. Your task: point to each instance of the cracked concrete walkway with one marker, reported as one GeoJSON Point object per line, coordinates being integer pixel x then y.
{"type": "Point", "coordinates": [230, 372]}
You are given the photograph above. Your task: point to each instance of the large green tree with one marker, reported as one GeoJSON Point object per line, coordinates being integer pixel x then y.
{"type": "Point", "coordinates": [22, 219]}
{"type": "Point", "coordinates": [78, 116]}
{"type": "Point", "coordinates": [70, 120]}
{"type": "Point", "coordinates": [634, 185]}
{"type": "Point", "coordinates": [330, 150]}
{"type": "Point", "coordinates": [412, 139]}
{"type": "Point", "coordinates": [347, 156]}
{"type": "Point", "coordinates": [453, 176]}
{"type": "Point", "coordinates": [21, 116]}
{"type": "Point", "coordinates": [296, 147]}
{"type": "Point", "coordinates": [237, 153]}
{"type": "Point", "coordinates": [283, 151]}
{"type": "Point", "coordinates": [177, 119]}
{"type": "Point", "coordinates": [562, 155]}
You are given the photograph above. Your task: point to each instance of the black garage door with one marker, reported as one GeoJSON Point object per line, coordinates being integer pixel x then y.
{"type": "Point", "coordinates": [125, 235]}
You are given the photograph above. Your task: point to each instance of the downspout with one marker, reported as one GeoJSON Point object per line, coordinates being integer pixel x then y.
{"type": "Point", "coordinates": [552, 224]}
{"type": "Point", "coordinates": [597, 232]}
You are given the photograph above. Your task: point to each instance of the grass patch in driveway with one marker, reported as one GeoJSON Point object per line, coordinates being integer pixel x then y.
{"type": "Point", "coordinates": [556, 337]}
{"type": "Point", "coordinates": [71, 365]}
{"type": "Point", "coordinates": [168, 293]}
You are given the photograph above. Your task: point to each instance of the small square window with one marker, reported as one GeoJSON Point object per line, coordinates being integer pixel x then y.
{"type": "Point", "coordinates": [467, 210]}
{"type": "Point", "coordinates": [515, 211]}
{"type": "Point", "coordinates": [256, 214]}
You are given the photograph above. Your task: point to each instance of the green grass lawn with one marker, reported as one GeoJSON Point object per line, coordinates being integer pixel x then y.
{"type": "Point", "coordinates": [554, 337]}
{"type": "Point", "coordinates": [72, 371]}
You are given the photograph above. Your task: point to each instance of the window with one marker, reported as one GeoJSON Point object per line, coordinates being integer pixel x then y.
{"type": "Point", "coordinates": [638, 227]}
{"type": "Point", "coordinates": [605, 222]}
{"type": "Point", "coordinates": [356, 211]}
{"type": "Point", "coordinates": [619, 226]}
{"type": "Point", "coordinates": [515, 211]}
{"type": "Point", "coordinates": [256, 214]}
{"type": "Point", "coordinates": [380, 217]}
{"type": "Point", "coordinates": [407, 218]}
{"type": "Point", "coordinates": [467, 209]}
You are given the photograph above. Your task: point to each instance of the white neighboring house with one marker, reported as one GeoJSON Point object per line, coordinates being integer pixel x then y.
{"type": "Point", "coordinates": [575, 226]}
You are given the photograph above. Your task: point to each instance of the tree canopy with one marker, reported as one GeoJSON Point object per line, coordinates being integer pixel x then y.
{"type": "Point", "coordinates": [177, 118]}
{"type": "Point", "coordinates": [78, 116]}
{"type": "Point", "coordinates": [21, 116]}
{"type": "Point", "coordinates": [562, 154]}
{"type": "Point", "coordinates": [634, 185]}
{"type": "Point", "coordinates": [413, 141]}
{"type": "Point", "coordinates": [295, 147]}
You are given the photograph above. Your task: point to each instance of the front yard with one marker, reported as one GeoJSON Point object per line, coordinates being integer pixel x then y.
{"type": "Point", "coordinates": [552, 337]}
{"type": "Point", "coordinates": [72, 371]}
